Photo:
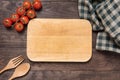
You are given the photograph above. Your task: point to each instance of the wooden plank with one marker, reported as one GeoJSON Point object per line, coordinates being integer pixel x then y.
{"type": "Point", "coordinates": [11, 38]}
{"type": "Point", "coordinates": [59, 10]}
{"type": "Point", "coordinates": [67, 75]}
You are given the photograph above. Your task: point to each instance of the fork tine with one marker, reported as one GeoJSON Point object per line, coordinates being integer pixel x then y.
{"type": "Point", "coordinates": [14, 62]}
{"type": "Point", "coordinates": [19, 59]}
{"type": "Point", "coordinates": [18, 62]}
{"type": "Point", "coordinates": [16, 58]}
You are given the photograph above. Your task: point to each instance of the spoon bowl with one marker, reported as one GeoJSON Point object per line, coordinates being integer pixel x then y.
{"type": "Point", "coordinates": [21, 70]}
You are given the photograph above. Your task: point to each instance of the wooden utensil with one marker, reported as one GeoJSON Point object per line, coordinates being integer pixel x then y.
{"type": "Point", "coordinates": [13, 63]}
{"type": "Point", "coordinates": [59, 40]}
{"type": "Point", "coordinates": [21, 70]}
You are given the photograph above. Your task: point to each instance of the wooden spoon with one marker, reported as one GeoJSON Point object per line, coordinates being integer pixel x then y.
{"type": "Point", "coordinates": [21, 70]}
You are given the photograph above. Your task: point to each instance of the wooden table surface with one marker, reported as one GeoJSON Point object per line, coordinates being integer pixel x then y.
{"type": "Point", "coordinates": [102, 66]}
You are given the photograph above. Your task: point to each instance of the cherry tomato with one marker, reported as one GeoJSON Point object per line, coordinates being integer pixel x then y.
{"type": "Point", "coordinates": [31, 14]}
{"type": "Point", "coordinates": [7, 22]}
{"type": "Point", "coordinates": [36, 0]}
{"type": "Point", "coordinates": [14, 17]}
{"type": "Point", "coordinates": [24, 19]}
{"type": "Point", "coordinates": [20, 11]}
{"type": "Point", "coordinates": [37, 5]}
{"type": "Point", "coordinates": [27, 4]}
{"type": "Point", "coordinates": [19, 27]}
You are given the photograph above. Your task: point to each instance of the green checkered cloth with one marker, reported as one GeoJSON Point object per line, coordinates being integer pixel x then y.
{"type": "Point", "coordinates": [104, 16]}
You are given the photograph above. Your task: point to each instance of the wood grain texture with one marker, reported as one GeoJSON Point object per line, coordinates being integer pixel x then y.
{"type": "Point", "coordinates": [67, 75]}
{"type": "Point", "coordinates": [59, 40]}
{"type": "Point", "coordinates": [103, 65]}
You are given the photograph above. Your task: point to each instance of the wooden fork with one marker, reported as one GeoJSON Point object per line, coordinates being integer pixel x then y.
{"type": "Point", "coordinates": [13, 63]}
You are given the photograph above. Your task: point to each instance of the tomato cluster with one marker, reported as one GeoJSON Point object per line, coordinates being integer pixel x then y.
{"type": "Point", "coordinates": [23, 14]}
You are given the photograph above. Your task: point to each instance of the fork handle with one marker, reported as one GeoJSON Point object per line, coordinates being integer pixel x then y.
{"type": "Point", "coordinates": [4, 69]}
{"type": "Point", "coordinates": [1, 71]}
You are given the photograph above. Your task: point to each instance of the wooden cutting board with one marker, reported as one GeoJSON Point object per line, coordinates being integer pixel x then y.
{"type": "Point", "coordinates": [59, 40]}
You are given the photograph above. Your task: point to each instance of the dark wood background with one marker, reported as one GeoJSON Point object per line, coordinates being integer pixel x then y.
{"type": "Point", "coordinates": [102, 66]}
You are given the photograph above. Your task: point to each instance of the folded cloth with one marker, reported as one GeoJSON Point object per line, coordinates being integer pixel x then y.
{"type": "Point", "coordinates": [104, 16]}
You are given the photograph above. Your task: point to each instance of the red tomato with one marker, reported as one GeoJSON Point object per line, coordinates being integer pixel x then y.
{"type": "Point", "coordinates": [14, 17]}
{"type": "Point", "coordinates": [27, 4]}
{"type": "Point", "coordinates": [20, 11]}
{"type": "Point", "coordinates": [37, 5]}
{"type": "Point", "coordinates": [37, 0]}
{"type": "Point", "coordinates": [31, 14]}
{"type": "Point", "coordinates": [7, 22]}
{"type": "Point", "coordinates": [24, 19]}
{"type": "Point", "coordinates": [19, 27]}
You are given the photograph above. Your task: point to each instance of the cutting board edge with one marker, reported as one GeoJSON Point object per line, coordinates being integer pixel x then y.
{"type": "Point", "coordinates": [38, 60]}
{"type": "Point", "coordinates": [37, 19]}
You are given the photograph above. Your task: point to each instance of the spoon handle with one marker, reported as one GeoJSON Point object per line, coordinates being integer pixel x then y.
{"type": "Point", "coordinates": [11, 78]}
